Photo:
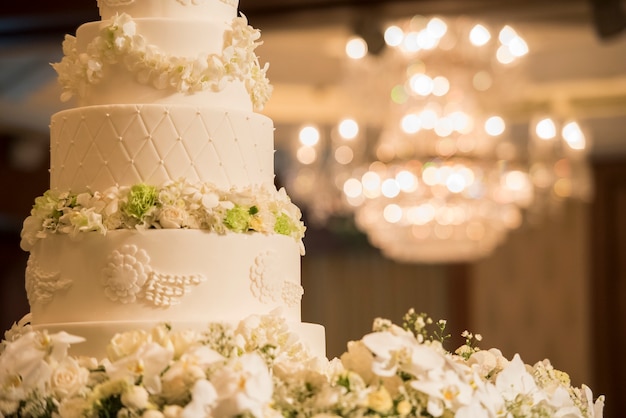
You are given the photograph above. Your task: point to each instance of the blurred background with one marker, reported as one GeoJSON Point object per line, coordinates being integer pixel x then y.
{"type": "Point", "coordinates": [466, 158]}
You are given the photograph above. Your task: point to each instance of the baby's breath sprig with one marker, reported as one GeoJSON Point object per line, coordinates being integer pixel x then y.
{"type": "Point", "coordinates": [470, 346]}
{"type": "Point", "coordinates": [416, 323]}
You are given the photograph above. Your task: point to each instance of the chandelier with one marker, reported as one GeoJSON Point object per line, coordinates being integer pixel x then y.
{"type": "Point", "coordinates": [443, 177]}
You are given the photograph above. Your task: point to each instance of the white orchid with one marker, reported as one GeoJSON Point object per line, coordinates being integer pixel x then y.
{"type": "Point", "coordinates": [261, 369]}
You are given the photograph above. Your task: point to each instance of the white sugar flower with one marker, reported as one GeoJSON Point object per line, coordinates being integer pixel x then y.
{"type": "Point", "coordinates": [68, 378]}
{"type": "Point", "coordinates": [515, 380]}
{"type": "Point", "coordinates": [148, 361]}
{"type": "Point", "coordinates": [203, 398]}
{"type": "Point", "coordinates": [172, 217]}
{"type": "Point", "coordinates": [126, 344]}
{"type": "Point", "coordinates": [135, 397]}
{"type": "Point", "coordinates": [127, 271]}
{"type": "Point", "coordinates": [244, 385]}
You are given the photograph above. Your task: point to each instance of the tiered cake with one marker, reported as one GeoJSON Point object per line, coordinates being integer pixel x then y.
{"type": "Point", "coordinates": [162, 205]}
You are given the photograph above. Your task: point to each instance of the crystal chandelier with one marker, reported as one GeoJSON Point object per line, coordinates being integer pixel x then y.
{"type": "Point", "coordinates": [442, 178]}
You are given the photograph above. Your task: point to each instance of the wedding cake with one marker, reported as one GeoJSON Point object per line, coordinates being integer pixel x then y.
{"type": "Point", "coordinates": [162, 205]}
{"type": "Point", "coordinates": [164, 268]}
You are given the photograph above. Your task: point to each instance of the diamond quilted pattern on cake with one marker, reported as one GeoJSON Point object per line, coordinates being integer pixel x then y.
{"type": "Point", "coordinates": [93, 148]}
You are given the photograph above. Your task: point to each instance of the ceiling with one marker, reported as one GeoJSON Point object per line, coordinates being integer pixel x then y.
{"type": "Point", "coordinates": [577, 62]}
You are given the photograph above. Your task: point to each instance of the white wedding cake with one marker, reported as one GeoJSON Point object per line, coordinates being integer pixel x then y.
{"type": "Point", "coordinates": [162, 206]}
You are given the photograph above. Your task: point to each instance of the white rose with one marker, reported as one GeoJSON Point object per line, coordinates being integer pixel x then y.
{"type": "Point", "coordinates": [73, 407]}
{"type": "Point", "coordinates": [152, 413]}
{"type": "Point", "coordinates": [172, 217]}
{"type": "Point", "coordinates": [183, 340]}
{"type": "Point", "coordinates": [172, 411]}
{"type": "Point", "coordinates": [68, 378]}
{"type": "Point", "coordinates": [135, 397]}
{"type": "Point", "coordinates": [127, 343]}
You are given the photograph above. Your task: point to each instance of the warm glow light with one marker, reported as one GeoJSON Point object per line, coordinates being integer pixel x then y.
{"type": "Point", "coordinates": [352, 188]}
{"type": "Point", "coordinates": [516, 180]}
{"type": "Point", "coordinates": [431, 175]}
{"type": "Point", "coordinates": [479, 35]}
{"type": "Point", "coordinates": [506, 35]}
{"type": "Point", "coordinates": [494, 126]}
{"type": "Point", "coordinates": [406, 181]}
{"type": "Point", "coordinates": [504, 55]}
{"type": "Point", "coordinates": [393, 36]}
{"type": "Point", "coordinates": [436, 27]}
{"type": "Point", "coordinates": [348, 128]}
{"type": "Point", "coordinates": [306, 155]}
{"type": "Point", "coordinates": [546, 129]}
{"type": "Point", "coordinates": [370, 181]}
{"type": "Point", "coordinates": [441, 86]}
{"type": "Point", "coordinates": [390, 188]}
{"type": "Point", "coordinates": [456, 182]}
{"type": "Point", "coordinates": [482, 81]}
{"type": "Point", "coordinates": [356, 48]}
{"type": "Point", "coordinates": [344, 155]}
{"type": "Point", "coordinates": [421, 84]}
{"type": "Point", "coordinates": [574, 136]}
{"type": "Point", "coordinates": [518, 47]}
{"type": "Point", "coordinates": [428, 118]}
{"type": "Point", "coordinates": [392, 213]}
{"type": "Point", "coordinates": [309, 136]}
{"type": "Point", "coordinates": [411, 123]}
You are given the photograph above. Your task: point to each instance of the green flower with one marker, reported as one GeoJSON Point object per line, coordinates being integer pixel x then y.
{"type": "Point", "coordinates": [238, 218]}
{"type": "Point", "coordinates": [284, 225]}
{"type": "Point", "coordinates": [141, 199]}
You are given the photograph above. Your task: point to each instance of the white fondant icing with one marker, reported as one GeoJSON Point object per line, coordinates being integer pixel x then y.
{"type": "Point", "coordinates": [164, 60]}
{"type": "Point", "coordinates": [127, 259]}
{"type": "Point", "coordinates": [189, 9]}
{"type": "Point", "coordinates": [94, 148]}
{"type": "Point", "coordinates": [268, 286]}
{"type": "Point", "coordinates": [42, 284]}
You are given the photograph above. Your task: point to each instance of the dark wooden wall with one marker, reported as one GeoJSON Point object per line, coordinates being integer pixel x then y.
{"type": "Point", "coordinates": [608, 284]}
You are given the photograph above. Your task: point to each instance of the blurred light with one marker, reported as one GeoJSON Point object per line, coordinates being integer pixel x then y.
{"type": "Point", "coordinates": [348, 129]}
{"type": "Point", "coordinates": [495, 126]}
{"type": "Point", "coordinates": [479, 35]}
{"type": "Point", "coordinates": [392, 213]}
{"type": "Point", "coordinates": [545, 129]}
{"type": "Point", "coordinates": [309, 136]}
{"type": "Point", "coordinates": [393, 36]}
{"type": "Point", "coordinates": [306, 155]}
{"type": "Point", "coordinates": [356, 48]}
{"type": "Point", "coordinates": [344, 155]}
{"type": "Point", "coordinates": [574, 136]}
{"type": "Point", "coordinates": [410, 123]}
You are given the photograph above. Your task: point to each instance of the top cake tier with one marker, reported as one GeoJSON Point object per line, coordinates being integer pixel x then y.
{"type": "Point", "coordinates": [190, 52]}
{"type": "Point", "coordinates": [186, 9]}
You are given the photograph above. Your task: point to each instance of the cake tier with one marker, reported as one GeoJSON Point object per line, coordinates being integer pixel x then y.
{"type": "Point", "coordinates": [207, 61]}
{"type": "Point", "coordinates": [173, 38]}
{"type": "Point", "coordinates": [97, 147]}
{"type": "Point", "coordinates": [98, 334]}
{"type": "Point", "coordinates": [162, 275]}
{"type": "Point", "coordinates": [196, 9]}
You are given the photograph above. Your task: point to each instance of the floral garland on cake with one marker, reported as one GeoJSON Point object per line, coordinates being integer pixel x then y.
{"type": "Point", "coordinates": [261, 369]}
{"type": "Point", "coordinates": [119, 42]}
{"type": "Point", "coordinates": [176, 204]}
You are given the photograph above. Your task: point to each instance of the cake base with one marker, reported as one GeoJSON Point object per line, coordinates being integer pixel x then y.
{"type": "Point", "coordinates": [98, 334]}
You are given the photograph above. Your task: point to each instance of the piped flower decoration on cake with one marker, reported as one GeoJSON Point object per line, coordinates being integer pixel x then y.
{"type": "Point", "coordinates": [127, 271]}
{"type": "Point", "coordinates": [268, 285]}
{"type": "Point", "coordinates": [42, 283]}
{"type": "Point", "coordinates": [129, 277]}
{"type": "Point", "coordinates": [257, 209]}
{"type": "Point", "coordinates": [119, 43]}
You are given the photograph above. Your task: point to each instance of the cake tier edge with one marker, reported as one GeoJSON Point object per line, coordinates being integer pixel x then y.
{"type": "Point", "coordinates": [96, 147]}
{"type": "Point", "coordinates": [162, 275]}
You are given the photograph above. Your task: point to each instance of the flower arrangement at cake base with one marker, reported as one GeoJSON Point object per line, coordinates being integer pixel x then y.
{"type": "Point", "coordinates": [261, 369]}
